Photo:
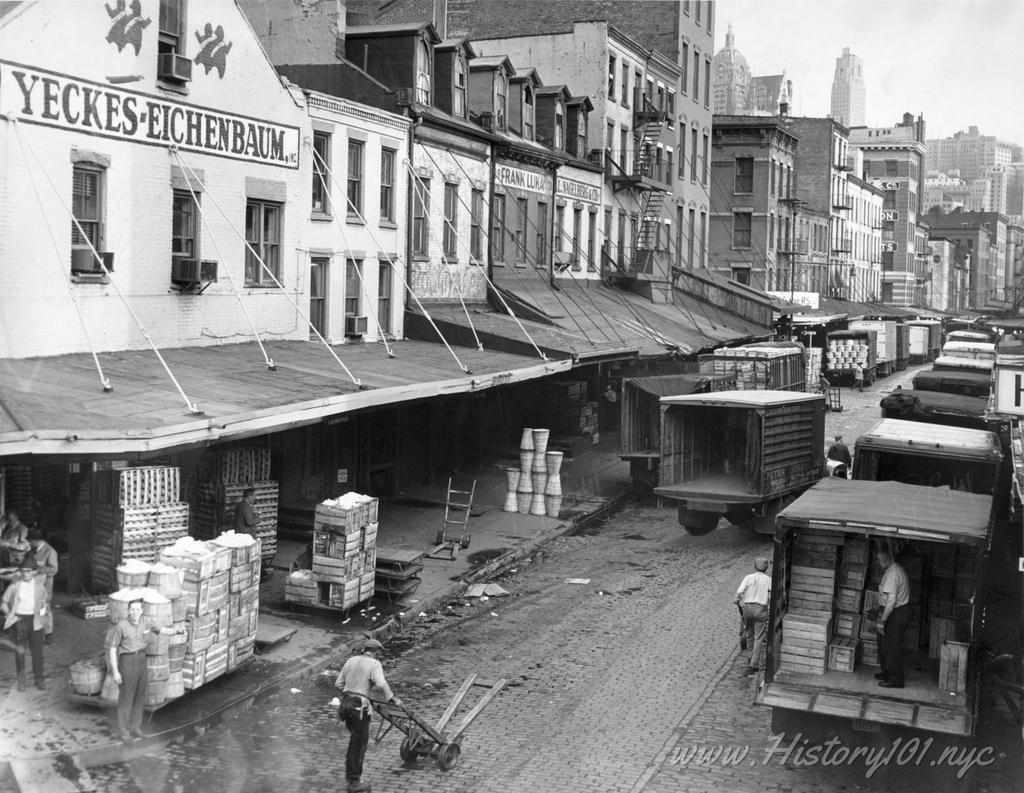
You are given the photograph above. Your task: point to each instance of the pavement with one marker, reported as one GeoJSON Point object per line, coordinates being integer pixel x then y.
{"type": "Point", "coordinates": [48, 742]}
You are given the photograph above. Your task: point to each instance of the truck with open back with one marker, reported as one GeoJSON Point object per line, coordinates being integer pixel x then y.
{"type": "Point", "coordinates": [641, 417]}
{"type": "Point", "coordinates": [848, 348]}
{"type": "Point", "coordinates": [822, 647]}
{"type": "Point", "coordinates": [739, 454]}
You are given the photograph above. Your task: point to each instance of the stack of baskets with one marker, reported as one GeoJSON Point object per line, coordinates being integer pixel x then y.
{"type": "Point", "coordinates": [535, 488]}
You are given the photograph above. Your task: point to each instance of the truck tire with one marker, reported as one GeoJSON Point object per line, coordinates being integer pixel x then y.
{"type": "Point", "coordinates": [697, 522]}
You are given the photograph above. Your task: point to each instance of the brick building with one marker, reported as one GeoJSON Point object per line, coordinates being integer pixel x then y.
{"type": "Point", "coordinates": [894, 161]}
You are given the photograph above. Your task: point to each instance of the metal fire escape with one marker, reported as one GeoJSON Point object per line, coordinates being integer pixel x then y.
{"type": "Point", "coordinates": [647, 181]}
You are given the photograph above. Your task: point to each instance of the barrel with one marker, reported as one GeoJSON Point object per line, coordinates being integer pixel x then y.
{"type": "Point", "coordinates": [526, 463]}
{"type": "Point", "coordinates": [157, 643]}
{"type": "Point", "coordinates": [166, 580]}
{"type": "Point", "coordinates": [554, 461]}
{"type": "Point", "coordinates": [525, 494]}
{"type": "Point", "coordinates": [179, 608]}
{"type": "Point", "coordinates": [526, 444]}
{"type": "Point", "coordinates": [158, 609]}
{"type": "Point", "coordinates": [133, 573]}
{"type": "Point", "coordinates": [175, 685]}
{"type": "Point", "coordinates": [87, 676]}
{"type": "Point", "coordinates": [537, 506]}
{"type": "Point", "coordinates": [157, 667]}
{"type": "Point", "coordinates": [156, 692]}
{"type": "Point", "coordinates": [540, 442]}
{"type": "Point", "coordinates": [117, 606]}
{"type": "Point", "coordinates": [553, 486]}
{"type": "Point", "coordinates": [553, 505]}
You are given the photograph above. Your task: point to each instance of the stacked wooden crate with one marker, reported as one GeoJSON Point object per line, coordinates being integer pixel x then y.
{"type": "Point", "coordinates": [220, 590]}
{"type": "Point", "coordinates": [344, 555]}
{"type": "Point", "coordinates": [868, 631]}
{"type": "Point", "coordinates": [569, 411]}
{"type": "Point", "coordinates": [142, 516]}
{"type": "Point", "coordinates": [807, 625]}
{"type": "Point", "coordinates": [953, 667]}
{"type": "Point", "coordinates": [228, 473]}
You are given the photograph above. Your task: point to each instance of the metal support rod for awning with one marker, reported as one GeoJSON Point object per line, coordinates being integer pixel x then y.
{"type": "Point", "coordinates": [270, 273]}
{"type": "Point", "coordinates": [192, 407]}
{"type": "Point", "coordinates": [227, 270]}
{"type": "Point", "coordinates": [104, 382]}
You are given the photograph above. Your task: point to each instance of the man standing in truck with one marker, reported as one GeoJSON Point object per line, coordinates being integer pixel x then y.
{"type": "Point", "coordinates": [893, 621]}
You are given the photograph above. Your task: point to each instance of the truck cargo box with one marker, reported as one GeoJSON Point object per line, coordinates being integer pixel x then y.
{"type": "Point", "coordinates": [968, 383]}
{"type": "Point", "coordinates": [775, 366]}
{"type": "Point", "coordinates": [823, 539]}
{"type": "Point", "coordinates": [886, 336]}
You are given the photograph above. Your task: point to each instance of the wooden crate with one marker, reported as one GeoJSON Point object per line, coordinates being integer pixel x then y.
{"type": "Point", "coordinates": [871, 599]}
{"type": "Point", "coordinates": [953, 667]}
{"type": "Point", "coordinates": [852, 576]}
{"type": "Point", "coordinates": [855, 552]}
{"type": "Point", "coordinates": [869, 651]}
{"type": "Point", "coordinates": [847, 624]}
{"type": "Point", "coordinates": [329, 568]}
{"type": "Point", "coordinates": [848, 599]}
{"type": "Point", "coordinates": [940, 631]}
{"type": "Point", "coordinates": [843, 654]}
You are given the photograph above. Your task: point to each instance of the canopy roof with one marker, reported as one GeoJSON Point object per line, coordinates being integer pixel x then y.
{"type": "Point", "coordinates": [891, 508]}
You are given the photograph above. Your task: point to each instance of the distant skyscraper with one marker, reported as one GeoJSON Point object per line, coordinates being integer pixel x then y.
{"type": "Point", "coordinates": [848, 90]}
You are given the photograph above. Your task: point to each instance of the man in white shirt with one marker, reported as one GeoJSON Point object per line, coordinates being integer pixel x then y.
{"type": "Point", "coordinates": [892, 622]}
{"type": "Point", "coordinates": [752, 597]}
{"type": "Point", "coordinates": [24, 609]}
{"type": "Point", "coordinates": [358, 676]}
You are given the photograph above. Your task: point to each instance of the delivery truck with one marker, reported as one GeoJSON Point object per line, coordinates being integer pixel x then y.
{"type": "Point", "coordinates": [919, 453]}
{"type": "Point", "coordinates": [846, 348]}
{"type": "Point", "coordinates": [902, 346]}
{"type": "Point", "coordinates": [741, 455]}
{"type": "Point", "coordinates": [822, 645]}
{"type": "Point", "coordinates": [641, 417]}
{"type": "Point", "coordinates": [765, 366]}
{"type": "Point", "coordinates": [885, 343]}
{"type": "Point", "coordinates": [936, 407]}
{"type": "Point", "coordinates": [925, 340]}
{"type": "Point", "coordinates": [968, 383]}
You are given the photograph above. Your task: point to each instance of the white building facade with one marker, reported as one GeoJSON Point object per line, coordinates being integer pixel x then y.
{"type": "Point", "coordinates": [153, 177]}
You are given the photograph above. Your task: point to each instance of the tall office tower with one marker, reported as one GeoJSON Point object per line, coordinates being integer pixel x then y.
{"type": "Point", "coordinates": [848, 90]}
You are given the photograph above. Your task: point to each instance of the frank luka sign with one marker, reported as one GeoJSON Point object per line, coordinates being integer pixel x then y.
{"type": "Point", "coordinates": [38, 96]}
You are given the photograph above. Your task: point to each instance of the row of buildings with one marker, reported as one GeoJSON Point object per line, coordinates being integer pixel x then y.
{"type": "Point", "coordinates": [360, 237]}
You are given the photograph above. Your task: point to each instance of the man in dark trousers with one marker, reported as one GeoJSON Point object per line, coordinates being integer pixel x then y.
{"type": "Point", "coordinates": [893, 621]}
{"type": "Point", "coordinates": [752, 598]}
{"type": "Point", "coordinates": [246, 518]}
{"type": "Point", "coordinates": [24, 609]}
{"type": "Point", "coordinates": [359, 674]}
{"type": "Point", "coordinates": [126, 661]}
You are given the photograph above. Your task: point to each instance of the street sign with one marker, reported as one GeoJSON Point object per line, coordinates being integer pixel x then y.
{"type": "Point", "coordinates": [890, 246]}
{"type": "Point", "coordinates": [889, 215]}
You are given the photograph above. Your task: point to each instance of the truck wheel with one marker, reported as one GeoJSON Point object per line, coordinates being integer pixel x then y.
{"type": "Point", "coordinates": [696, 522]}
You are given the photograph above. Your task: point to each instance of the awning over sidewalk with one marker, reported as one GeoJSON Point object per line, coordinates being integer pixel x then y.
{"type": "Point", "coordinates": [55, 406]}
{"type": "Point", "coordinates": [605, 316]}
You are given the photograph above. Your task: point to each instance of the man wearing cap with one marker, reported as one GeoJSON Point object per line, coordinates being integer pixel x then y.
{"type": "Point", "coordinates": [24, 608]}
{"type": "Point", "coordinates": [126, 660]}
{"type": "Point", "coordinates": [359, 674]}
{"type": "Point", "coordinates": [46, 558]}
{"type": "Point", "coordinates": [752, 598]}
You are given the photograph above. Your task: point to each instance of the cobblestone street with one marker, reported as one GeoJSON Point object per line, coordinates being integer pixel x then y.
{"type": "Point", "coordinates": [613, 684]}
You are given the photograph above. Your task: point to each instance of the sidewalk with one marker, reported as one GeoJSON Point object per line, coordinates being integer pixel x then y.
{"type": "Point", "coordinates": [44, 737]}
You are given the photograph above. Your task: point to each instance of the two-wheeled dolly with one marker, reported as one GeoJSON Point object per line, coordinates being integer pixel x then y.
{"type": "Point", "coordinates": [422, 739]}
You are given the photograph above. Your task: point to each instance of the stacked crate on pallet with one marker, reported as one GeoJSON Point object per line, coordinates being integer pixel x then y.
{"type": "Point", "coordinates": [231, 473]}
{"type": "Point", "coordinates": [845, 649]}
{"type": "Point", "coordinates": [220, 594]}
{"type": "Point", "coordinates": [868, 631]}
{"type": "Point", "coordinates": [807, 625]}
{"type": "Point", "coordinates": [142, 516]}
{"type": "Point", "coordinates": [344, 555]}
{"type": "Point", "coordinates": [804, 642]}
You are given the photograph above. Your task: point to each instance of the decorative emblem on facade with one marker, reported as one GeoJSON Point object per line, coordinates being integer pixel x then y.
{"type": "Point", "coordinates": [213, 51]}
{"type": "Point", "coordinates": [126, 25]}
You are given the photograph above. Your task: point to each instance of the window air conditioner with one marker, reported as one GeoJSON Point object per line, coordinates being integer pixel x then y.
{"type": "Point", "coordinates": [83, 261]}
{"type": "Point", "coordinates": [173, 67]}
{"type": "Point", "coordinates": [193, 271]}
{"type": "Point", "coordinates": [355, 326]}
{"type": "Point", "coordinates": [207, 271]}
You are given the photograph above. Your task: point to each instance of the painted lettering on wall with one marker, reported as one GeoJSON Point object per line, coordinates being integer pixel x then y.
{"type": "Point", "coordinates": [578, 191]}
{"type": "Point", "coordinates": [533, 181]}
{"type": "Point", "coordinates": [37, 96]}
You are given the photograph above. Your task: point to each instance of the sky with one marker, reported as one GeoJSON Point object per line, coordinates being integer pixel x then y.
{"type": "Point", "coordinates": [957, 62]}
